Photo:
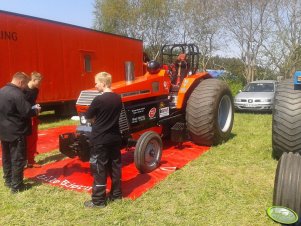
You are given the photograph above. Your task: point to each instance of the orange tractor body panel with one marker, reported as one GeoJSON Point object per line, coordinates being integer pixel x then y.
{"type": "Point", "coordinates": [187, 85]}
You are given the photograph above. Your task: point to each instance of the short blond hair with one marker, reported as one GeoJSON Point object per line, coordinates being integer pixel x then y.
{"type": "Point", "coordinates": [21, 76]}
{"type": "Point", "coordinates": [105, 78]}
{"type": "Point", "coordinates": [36, 75]}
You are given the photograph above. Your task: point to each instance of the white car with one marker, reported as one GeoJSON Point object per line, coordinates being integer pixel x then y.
{"type": "Point", "coordinates": [256, 96]}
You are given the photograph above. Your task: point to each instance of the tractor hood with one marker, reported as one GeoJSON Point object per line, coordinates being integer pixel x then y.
{"type": "Point", "coordinates": [149, 85]}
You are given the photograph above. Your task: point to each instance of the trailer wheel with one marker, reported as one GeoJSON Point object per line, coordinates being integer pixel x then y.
{"type": "Point", "coordinates": [209, 113]}
{"type": "Point", "coordinates": [286, 125]}
{"type": "Point", "coordinates": [148, 152]}
{"type": "Point", "coordinates": [287, 187]}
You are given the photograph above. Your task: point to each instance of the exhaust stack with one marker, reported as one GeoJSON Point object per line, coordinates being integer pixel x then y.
{"type": "Point", "coordinates": [129, 71]}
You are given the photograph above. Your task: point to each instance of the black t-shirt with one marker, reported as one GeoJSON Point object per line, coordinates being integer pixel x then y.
{"type": "Point", "coordinates": [15, 112]}
{"type": "Point", "coordinates": [31, 95]}
{"type": "Point", "coordinates": [105, 109]}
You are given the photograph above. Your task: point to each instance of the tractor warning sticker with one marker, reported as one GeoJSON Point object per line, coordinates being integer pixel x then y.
{"type": "Point", "coordinates": [137, 115]}
{"type": "Point", "coordinates": [152, 112]}
{"type": "Point", "coordinates": [163, 112]}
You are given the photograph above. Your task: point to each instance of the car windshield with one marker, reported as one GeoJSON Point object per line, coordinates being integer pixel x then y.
{"type": "Point", "coordinates": [259, 87]}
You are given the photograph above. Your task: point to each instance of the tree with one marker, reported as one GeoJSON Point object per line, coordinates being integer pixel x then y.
{"type": "Point", "coordinates": [198, 22]}
{"type": "Point", "coordinates": [247, 23]}
{"type": "Point", "coordinates": [158, 22]}
{"type": "Point", "coordinates": [147, 20]}
{"type": "Point", "coordinates": [111, 16]}
{"type": "Point", "coordinates": [282, 48]}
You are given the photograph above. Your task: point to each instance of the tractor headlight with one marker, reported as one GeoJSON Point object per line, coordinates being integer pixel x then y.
{"type": "Point", "coordinates": [83, 120]}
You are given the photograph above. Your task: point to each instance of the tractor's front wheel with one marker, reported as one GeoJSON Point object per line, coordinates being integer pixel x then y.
{"type": "Point", "coordinates": [148, 152]}
{"type": "Point", "coordinates": [209, 113]}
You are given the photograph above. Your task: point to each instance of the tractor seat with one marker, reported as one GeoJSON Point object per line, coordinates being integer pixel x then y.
{"type": "Point", "coordinates": [174, 88]}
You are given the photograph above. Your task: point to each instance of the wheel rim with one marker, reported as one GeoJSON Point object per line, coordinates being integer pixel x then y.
{"type": "Point", "coordinates": [152, 153]}
{"type": "Point", "coordinates": [225, 113]}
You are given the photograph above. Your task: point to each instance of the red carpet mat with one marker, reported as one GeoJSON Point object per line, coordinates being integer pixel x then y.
{"type": "Point", "coordinates": [48, 139]}
{"type": "Point", "coordinates": [75, 175]}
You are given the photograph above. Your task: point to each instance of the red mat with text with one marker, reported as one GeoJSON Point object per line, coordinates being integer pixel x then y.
{"type": "Point", "coordinates": [74, 174]}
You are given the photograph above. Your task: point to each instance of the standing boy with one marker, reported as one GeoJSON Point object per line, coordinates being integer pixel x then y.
{"type": "Point", "coordinates": [31, 94]}
{"type": "Point", "coordinates": [105, 155]}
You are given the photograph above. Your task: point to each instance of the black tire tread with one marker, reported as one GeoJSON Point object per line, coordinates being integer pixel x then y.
{"type": "Point", "coordinates": [286, 125]}
{"type": "Point", "coordinates": [287, 187]}
{"type": "Point", "coordinates": [201, 112]}
{"type": "Point", "coordinates": [139, 151]}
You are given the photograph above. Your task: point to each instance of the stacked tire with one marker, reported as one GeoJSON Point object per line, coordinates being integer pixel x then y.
{"type": "Point", "coordinates": [287, 187]}
{"type": "Point", "coordinates": [286, 134]}
{"type": "Point", "coordinates": [286, 142]}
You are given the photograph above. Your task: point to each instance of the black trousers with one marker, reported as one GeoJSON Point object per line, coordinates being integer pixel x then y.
{"type": "Point", "coordinates": [105, 160]}
{"type": "Point", "coordinates": [14, 161]}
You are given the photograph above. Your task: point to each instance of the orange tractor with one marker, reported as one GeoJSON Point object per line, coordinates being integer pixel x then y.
{"type": "Point", "coordinates": [172, 100]}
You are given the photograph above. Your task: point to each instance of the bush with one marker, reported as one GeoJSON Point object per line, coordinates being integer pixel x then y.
{"type": "Point", "coordinates": [235, 87]}
{"type": "Point", "coordinates": [234, 84]}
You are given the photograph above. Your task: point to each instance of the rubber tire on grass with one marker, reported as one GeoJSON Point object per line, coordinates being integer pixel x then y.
{"type": "Point", "coordinates": [287, 187]}
{"type": "Point", "coordinates": [209, 113]}
{"type": "Point", "coordinates": [286, 124]}
{"type": "Point", "coordinates": [148, 152]}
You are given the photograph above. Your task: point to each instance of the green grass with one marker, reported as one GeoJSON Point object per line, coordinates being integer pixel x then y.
{"type": "Point", "coordinates": [232, 184]}
{"type": "Point", "coordinates": [49, 120]}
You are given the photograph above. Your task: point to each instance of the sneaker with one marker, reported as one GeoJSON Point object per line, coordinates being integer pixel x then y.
{"type": "Point", "coordinates": [7, 184]}
{"type": "Point", "coordinates": [90, 204]}
{"type": "Point", "coordinates": [34, 165]}
{"type": "Point", "coordinates": [111, 198]}
{"type": "Point", "coordinates": [23, 187]}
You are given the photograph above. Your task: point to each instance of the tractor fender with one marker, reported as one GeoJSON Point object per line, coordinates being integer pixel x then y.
{"type": "Point", "coordinates": [187, 86]}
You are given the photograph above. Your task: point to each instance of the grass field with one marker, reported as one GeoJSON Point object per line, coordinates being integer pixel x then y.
{"type": "Point", "coordinates": [49, 120]}
{"type": "Point", "coordinates": [231, 184]}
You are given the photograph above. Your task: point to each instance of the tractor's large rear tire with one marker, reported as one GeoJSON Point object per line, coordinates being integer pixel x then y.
{"type": "Point", "coordinates": [209, 113]}
{"type": "Point", "coordinates": [286, 125]}
{"type": "Point", "coordinates": [148, 152]}
{"type": "Point", "coordinates": [287, 188]}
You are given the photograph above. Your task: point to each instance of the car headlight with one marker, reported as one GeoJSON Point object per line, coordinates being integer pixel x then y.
{"type": "Point", "coordinates": [237, 100]}
{"type": "Point", "coordinates": [83, 120]}
{"type": "Point", "coordinates": [266, 100]}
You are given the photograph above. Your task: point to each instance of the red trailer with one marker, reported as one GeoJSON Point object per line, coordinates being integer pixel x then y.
{"type": "Point", "coordinates": [68, 56]}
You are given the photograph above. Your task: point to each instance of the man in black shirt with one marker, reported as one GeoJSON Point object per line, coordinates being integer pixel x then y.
{"type": "Point", "coordinates": [105, 155]}
{"type": "Point", "coordinates": [14, 112]}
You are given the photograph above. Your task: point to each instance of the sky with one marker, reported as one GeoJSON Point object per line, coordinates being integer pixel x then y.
{"type": "Point", "coordinates": [76, 12]}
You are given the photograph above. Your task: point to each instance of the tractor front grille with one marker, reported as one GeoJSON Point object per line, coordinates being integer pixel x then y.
{"type": "Point", "coordinates": [86, 97]}
{"type": "Point", "coordinates": [123, 122]}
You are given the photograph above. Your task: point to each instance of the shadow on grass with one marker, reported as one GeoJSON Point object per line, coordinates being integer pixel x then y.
{"type": "Point", "coordinates": [52, 158]}
{"type": "Point", "coordinates": [232, 135]}
{"type": "Point", "coordinates": [30, 183]}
